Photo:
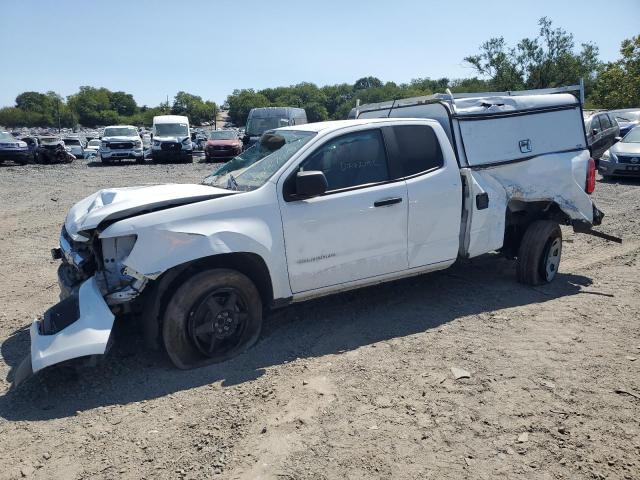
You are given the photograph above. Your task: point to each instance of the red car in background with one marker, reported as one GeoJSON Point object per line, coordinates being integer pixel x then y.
{"type": "Point", "coordinates": [222, 144]}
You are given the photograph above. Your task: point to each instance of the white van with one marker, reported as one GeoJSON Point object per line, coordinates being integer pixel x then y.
{"type": "Point", "coordinates": [171, 139]}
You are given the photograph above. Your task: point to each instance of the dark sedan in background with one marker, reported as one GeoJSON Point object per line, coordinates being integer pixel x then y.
{"type": "Point", "coordinates": [602, 132]}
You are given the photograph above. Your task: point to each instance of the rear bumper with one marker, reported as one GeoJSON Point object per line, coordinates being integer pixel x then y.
{"type": "Point", "coordinates": [78, 326]}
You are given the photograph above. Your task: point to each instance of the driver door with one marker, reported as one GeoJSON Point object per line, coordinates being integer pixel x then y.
{"type": "Point", "coordinates": [358, 228]}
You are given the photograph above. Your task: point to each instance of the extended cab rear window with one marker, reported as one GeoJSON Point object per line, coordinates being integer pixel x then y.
{"type": "Point", "coordinates": [416, 149]}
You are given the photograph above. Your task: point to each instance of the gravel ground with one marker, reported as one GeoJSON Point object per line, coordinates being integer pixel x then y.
{"type": "Point", "coordinates": [357, 385]}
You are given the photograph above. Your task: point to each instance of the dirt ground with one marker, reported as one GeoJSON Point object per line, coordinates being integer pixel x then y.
{"type": "Point", "coordinates": [352, 386]}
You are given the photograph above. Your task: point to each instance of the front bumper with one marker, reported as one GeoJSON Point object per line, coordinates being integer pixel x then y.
{"type": "Point", "coordinates": [78, 326]}
{"type": "Point", "coordinates": [122, 154]}
{"type": "Point", "coordinates": [171, 155]}
{"type": "Point", "coordinates": [212, 153]}
{"type": "Point", "coordinates": [18, 155]}
{"type": "Point", "coordinates": [607, 167]}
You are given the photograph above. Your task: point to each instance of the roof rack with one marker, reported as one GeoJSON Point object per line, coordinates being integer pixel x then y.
{"type": "Point", "coordinates": [451, 97]}
{"type": "Point", "coordinates": [539, 91]}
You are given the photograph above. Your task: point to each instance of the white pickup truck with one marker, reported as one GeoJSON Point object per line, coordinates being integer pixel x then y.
{"type": "Point", "coordinates": [316, 209]}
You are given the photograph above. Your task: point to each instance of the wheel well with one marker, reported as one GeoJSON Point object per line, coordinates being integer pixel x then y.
{"type": "Point", "coordinates": [519, 215]}
{"type": "Point", "coordinates": [156, 296]}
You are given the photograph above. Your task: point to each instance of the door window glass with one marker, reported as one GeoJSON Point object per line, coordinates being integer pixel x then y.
{"type": "Point", "coordinates": [418, 149]}
{"type": "Point", "coordinates": [605, 122]}
{"type": "Point", "coordinates": [595, 124]}
{"type": "Point", "coordinates": [351, 160]}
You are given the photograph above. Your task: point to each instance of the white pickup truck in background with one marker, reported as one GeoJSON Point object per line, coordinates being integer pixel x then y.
{"type": "Point", "coordinates": [406, 188]}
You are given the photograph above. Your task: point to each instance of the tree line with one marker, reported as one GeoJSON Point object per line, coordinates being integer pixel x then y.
{"type": "Point", "coordinates": [93, 107]}
{"type": "Point", "coordinates": [550, 59]}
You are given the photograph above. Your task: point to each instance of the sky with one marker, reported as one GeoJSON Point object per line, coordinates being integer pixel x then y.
{"type": "Point", "coordinates": [155, 48]}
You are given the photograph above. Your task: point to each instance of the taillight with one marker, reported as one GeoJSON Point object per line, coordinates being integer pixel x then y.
{"type": "Point", "coordinates": [591, 177]}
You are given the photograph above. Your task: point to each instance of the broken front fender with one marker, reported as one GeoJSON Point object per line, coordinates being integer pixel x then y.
{"type": "Point", "coordinates": [76, 327]}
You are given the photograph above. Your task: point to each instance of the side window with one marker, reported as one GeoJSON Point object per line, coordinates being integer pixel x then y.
{"type": "Point", "coordinates": [350, 160]}
{"type": "Point", "coordinates": [417, 149]}
{"type": "Point", "coordinates": [605, 122]}
{"type": "Point", "coordinates": [595, 124]}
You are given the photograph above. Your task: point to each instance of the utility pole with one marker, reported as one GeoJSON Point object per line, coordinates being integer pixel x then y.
{"type": "Point", "coordinates": [58, 112]}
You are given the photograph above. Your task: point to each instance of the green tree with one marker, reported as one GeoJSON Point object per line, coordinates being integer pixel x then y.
{"type": "Point", "coordinates": [193, 107]}
{"type": "Point", "coordinates": [549, 60]}
{"type": "Point", "coordinates": [316, 112]}
{"type": "Point", "coordinates": [123, 103]}
{"type": "Point", "coordinates": [89, 104]}
{"type": "Point", "coordinates": [618, 85]}
{"type": "Point", "coordinates": [242, 101]}
{"type": "Point", "coordinates": [367, 82]}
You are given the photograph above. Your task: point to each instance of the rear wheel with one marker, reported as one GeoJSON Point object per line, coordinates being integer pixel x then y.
{"type": "Point", "coordinates": [212, 317]}
{"type": "Point", "coordinates": [539, 253]}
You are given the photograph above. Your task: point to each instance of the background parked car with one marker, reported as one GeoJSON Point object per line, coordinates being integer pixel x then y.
{"type": "Point", "coordinates": [53, 150]}
{"type": "Point", "coordinates": [32, 145]}
{"type": "Point", "coordinates": [91, 150]}
{"type": "Point", "coordinates": [602, 130]}
{"type": "Point", "coordinates": [624, 157]}
{"type": "Point", "coordinates": [75, 146]}
{"type": "Point", "coordinates": [222, 144]}
{"type": "Point", "coordinates": [13, 149]}
{"type": "Point", "coordinates": [627, 119]}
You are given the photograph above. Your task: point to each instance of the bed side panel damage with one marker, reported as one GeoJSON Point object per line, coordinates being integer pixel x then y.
{"type": "Point", "coordinates": [558, 178]}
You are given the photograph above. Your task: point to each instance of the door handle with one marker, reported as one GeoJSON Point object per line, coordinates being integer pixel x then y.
{"type": "Point", "coordinates": [387, 201]}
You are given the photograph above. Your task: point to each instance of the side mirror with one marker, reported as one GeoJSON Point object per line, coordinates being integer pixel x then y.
{"type": "Point", "coordinates": [617, 139]}
{"type": "Point", "coordinates": [595, 131]}
{"type": "Point", "coordinates": [310, 184]}
{"type": "Point", "coordinates": [246, 139]}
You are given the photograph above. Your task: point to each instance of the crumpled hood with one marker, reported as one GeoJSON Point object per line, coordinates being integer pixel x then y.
{"type": "Point", "coordinates": [118, 203]}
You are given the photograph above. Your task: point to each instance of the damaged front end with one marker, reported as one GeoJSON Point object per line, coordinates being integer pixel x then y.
{"type": "Point", "coordinates": [95, 286]}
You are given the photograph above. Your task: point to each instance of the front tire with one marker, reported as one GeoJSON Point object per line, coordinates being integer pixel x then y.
{"type": "Point", "coordinates": [212, 317]}
{"type": "Point", "coordinates": [539, 253]}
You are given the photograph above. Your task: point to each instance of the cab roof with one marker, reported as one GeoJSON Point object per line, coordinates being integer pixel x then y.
{"type": "Point", "coordinates": [337, 124]}
{"type": "Point", "coordinates": [170, 119]}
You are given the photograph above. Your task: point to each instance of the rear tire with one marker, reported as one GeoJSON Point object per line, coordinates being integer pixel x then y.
{"type": "Point", "coordinates": [539, 253]}
{"type": "Point", "coordinates": [212, 317]}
